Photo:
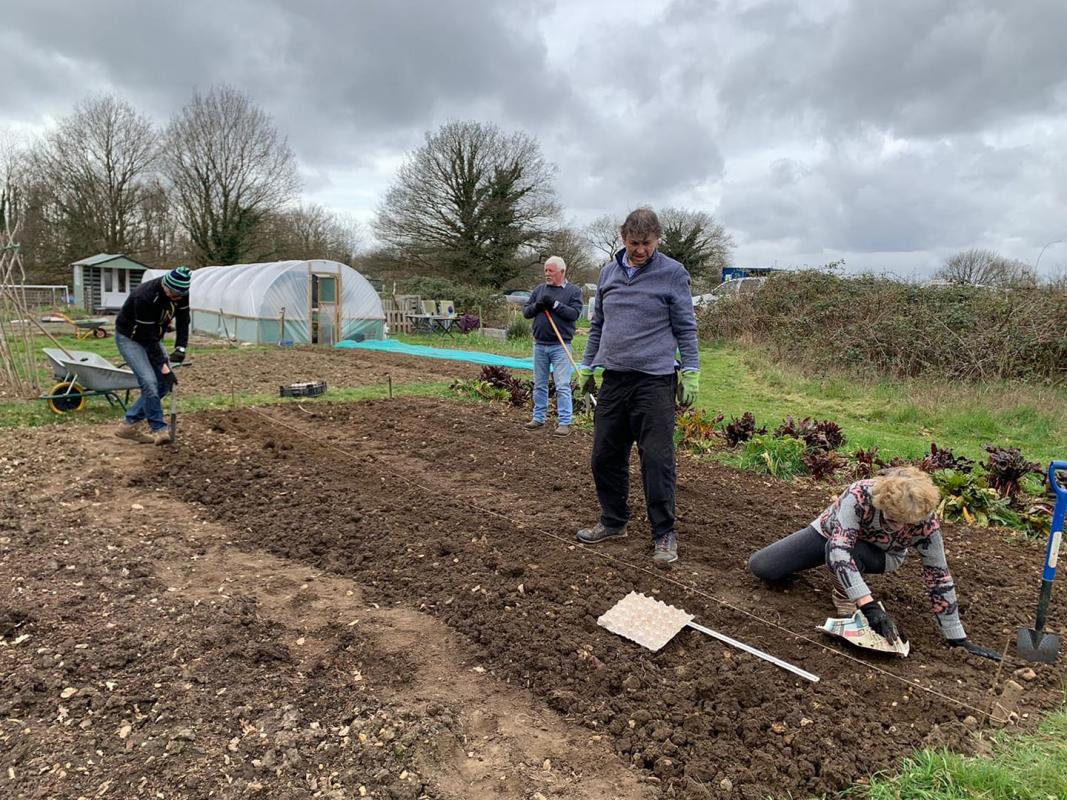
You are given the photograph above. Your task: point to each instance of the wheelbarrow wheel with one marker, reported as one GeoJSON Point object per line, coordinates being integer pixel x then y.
{"type": "Point", "coordinates": [100, 333]}
{"type": "Point", "coordinates": [66, 397]}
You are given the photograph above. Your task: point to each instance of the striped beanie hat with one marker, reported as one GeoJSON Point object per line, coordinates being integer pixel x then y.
{"type": "Point", "coordinates": [178, 280]}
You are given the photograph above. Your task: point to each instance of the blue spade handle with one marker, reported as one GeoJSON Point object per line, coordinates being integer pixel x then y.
{"type": "Point", "coordinates": [1056, 531]}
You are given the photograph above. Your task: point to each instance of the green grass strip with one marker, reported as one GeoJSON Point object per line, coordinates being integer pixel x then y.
{"type": "Point", "coordinates": [1022, 767]}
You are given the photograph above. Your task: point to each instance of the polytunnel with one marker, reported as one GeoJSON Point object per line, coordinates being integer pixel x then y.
{"type": "Point", "coordinates": [302, 302]}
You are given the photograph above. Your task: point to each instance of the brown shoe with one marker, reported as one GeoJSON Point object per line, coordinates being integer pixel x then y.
{"type": "Point", "coordinates": [134, 433]}
{"type": "Point", "coordinates": [534, 424]}
{"type": "Point", "coordinates": [562, 430]}
{"type": "Point", "coordinates": [161, 436]}
{"type": "Point", "coordinates": [842, 605]}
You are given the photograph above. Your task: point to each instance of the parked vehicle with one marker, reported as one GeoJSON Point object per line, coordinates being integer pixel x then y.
{"type": "Point", "coordinates": [517, 296]}
{"type": "Point", "coordinates": [734, 288]}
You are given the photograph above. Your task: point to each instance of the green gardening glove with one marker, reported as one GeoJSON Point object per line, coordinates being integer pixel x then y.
{"type": "Point", "coordinates": [688, 387]}
{"type": "Point", "coordinates": [587, 379]}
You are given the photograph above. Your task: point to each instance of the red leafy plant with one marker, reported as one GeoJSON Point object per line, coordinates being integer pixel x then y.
{"type": "Point", "coordinates": [1006, 468]}
{"type": "Point", "coordinates": [519, 390]}
{"type": "Point", "coordinates": [741, 429]}
{"type": "Point", "coordinates": [943, 458]}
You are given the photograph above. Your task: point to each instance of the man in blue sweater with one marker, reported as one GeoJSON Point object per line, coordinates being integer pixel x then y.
{"type": "Point", "coordinates": [644, 314]}
{"type": "Point", "coordinates": [564, 302]}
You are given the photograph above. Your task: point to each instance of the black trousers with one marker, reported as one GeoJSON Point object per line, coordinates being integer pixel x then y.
{"type": "Point", "coordinates": [635, 407]}
{"type": "Point", "coordinates": [805, 549]}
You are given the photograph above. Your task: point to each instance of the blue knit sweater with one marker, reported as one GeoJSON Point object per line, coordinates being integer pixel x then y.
{"type": "Point", "coordinates": [640, 322]}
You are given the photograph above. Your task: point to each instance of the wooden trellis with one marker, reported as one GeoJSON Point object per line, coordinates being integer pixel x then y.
{"type": "Point", "coordinates": [18, 369]}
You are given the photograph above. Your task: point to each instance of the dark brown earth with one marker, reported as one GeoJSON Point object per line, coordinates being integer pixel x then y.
{"type": "Point", "coordinates": [218, 371]}
{"type": "Point", "coordinates": [306, 600]}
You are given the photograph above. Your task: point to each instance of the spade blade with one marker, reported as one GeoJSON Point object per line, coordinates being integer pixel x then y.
{"type": "Point", "coordinates": [1037, 646]}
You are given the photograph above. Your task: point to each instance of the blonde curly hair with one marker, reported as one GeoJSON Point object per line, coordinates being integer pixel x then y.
{"type": "Point", "coordinates": [905, 494]}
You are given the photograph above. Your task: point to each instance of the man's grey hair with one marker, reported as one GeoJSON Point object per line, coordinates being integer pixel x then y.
{"type": "Point", "coordinates": [642, 223]}
{"type": "Point", "coordinates": [559, 262]}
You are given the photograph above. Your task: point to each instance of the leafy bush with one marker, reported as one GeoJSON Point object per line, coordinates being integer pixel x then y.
{"type": "Point", "coordinates": [468, 322]}
{"type": "Point", "coordinates": [697, 431]}
{"type": "Point", "coordinates": [782, 457]}
{"type": "Point", "coordinates": [822, 464]}
{"type": "Point", "coordinates": [817, 435]}
{"type": "Point", "coordinates": [866, 463]}
{"type": "Point", "coordinates": [519, 328]}
{"type": "Point", "coordinates": [943, 458]}
{"type": "Point", "coordinates": [967, 496]}
{"type": "Point", "coordinates": [873, 324]}
{"type": "Point", "coordinates": [741, 429]}
{"type": "Point", "coordinates": [1007, 467]}
{"type": "Point", "coordinates": [518, 391]}
{"type": "Point", "coordinates": [480, 390]}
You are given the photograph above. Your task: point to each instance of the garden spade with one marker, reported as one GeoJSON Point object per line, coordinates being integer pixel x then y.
{"type": "Point", "coordinates": [1033, 643]}
{"type": "Point", "coordinates": [652, 623]}
{"type": "Point", "coordinates": [173, 406]}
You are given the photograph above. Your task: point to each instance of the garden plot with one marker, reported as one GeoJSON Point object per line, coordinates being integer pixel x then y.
{"type": "Point", "coordinates": [447, 531]}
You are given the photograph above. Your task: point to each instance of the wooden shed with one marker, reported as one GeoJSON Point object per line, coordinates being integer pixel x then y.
{"type": "Point", "coordinates": [103, 282]}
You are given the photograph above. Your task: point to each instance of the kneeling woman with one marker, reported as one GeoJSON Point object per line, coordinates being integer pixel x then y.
{"type": "Point", "coordinates": [868, 529]}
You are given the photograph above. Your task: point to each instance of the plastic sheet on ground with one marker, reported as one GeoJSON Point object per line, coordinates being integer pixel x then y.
{"type": "Point", "coordinates": [471, 356]}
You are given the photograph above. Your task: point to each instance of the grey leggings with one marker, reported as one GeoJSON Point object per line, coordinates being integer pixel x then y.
{"type": "Point", "coordinates": [805, 549]}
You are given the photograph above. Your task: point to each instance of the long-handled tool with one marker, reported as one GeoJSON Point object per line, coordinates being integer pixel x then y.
{"type": "Point", "coordinates": [652, 623]}
{"type": "Point", "coordinates": [1033, 643]}
{"type": "Point", "coordinates": [567, 350]}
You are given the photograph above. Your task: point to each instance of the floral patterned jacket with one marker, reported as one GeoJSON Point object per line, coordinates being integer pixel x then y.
{"type": "Point", "coordinates": [852, 517]}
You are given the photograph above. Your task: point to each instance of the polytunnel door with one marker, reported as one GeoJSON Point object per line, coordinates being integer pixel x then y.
{"type": "Point", "coordinates": [325, 310]}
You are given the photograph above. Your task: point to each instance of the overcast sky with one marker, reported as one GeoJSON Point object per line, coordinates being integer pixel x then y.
{"type": "Point", "coordinates": [890, 134]}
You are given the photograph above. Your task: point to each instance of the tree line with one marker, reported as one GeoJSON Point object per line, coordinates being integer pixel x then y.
{"type": "Point", "coordinates": [219, 184]}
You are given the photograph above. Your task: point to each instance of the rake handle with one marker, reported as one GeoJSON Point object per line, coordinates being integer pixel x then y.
{"type": "Point", "coordinates": [757, 653]}
{"type": "Point", "coordinates": [566, 349]}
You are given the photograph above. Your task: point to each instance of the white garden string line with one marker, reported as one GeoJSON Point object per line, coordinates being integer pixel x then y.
{"type": "Point", "coordinates": [655, 573]}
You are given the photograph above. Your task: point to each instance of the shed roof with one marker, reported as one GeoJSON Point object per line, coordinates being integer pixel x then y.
{"type": "Point", "coordinates": [103, 258]}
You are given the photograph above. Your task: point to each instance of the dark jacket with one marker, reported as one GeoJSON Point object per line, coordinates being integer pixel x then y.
{"type": "Point", "coordinates": [147, 313]}
{"type": "Point", "coordinates": [567, 307]}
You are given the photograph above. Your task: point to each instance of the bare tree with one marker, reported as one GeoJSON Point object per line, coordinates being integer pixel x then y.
{"type": "Point", "coordinates": [978, 267]}
{"type": "Point", "coordinates": [12, 158]}
{"type": "Point", "coordinates": [696, 240]}
{"type": "Point", "coordinates": [228, 168]}
{"type": "Point", "coordinates": [603, 234]}
{"type": "Point", "coordinates": [311, 231]}
{"type": "Point", "coordinates": [96, 166]}
{"type": "Point", "coordinates": [469, 202]}
{"type": "Point", "coordinates": [572, 246]}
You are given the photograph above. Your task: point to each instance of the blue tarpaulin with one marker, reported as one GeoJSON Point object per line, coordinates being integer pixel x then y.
{"type": "Point", "coordinates": [472, 356]}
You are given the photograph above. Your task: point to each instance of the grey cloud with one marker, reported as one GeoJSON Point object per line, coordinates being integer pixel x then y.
{"type": "Point", "coordinates": [914, 67]}
{"type": "Point", "coordinates": [911, 201]}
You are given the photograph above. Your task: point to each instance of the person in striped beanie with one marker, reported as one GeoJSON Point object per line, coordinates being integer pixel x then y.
{"type": "Point", "coordinates": [144, 319]}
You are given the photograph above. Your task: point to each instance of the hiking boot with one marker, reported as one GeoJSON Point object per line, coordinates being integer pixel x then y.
{"type": "Point", "coordinates": [562, 430]}
{"type": "Point", "coordinates": [534, 424]}
{"type": "Point", "coordinates": [600, 532]}
{"type": "Point", "coordinates": [133, 432]}
{"type": "Point", "coordinates": [665, 549]}
{"type": "Point", "coordinates": [162, 436]}
{"type": "Point", "coordinates": [842, 605]}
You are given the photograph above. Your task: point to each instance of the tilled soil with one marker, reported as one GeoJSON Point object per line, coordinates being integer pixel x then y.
{"type": "Point", "coordinates": [218, 586]}
{"type": "Point", "coordinates": [219, 371]}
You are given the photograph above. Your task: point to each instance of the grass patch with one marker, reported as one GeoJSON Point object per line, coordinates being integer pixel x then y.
{"type": "Point", "coordinates": [900, 417]}
{"type": "Point", "coordinates": [1026, 767]}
